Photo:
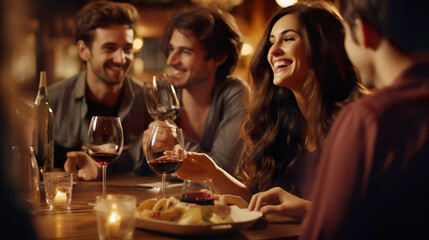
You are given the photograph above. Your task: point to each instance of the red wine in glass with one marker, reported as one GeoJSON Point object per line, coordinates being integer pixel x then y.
{"type": "Point", "coordinates": [200, 198]}
{"type": "Point", "coordinates": [105, 141]}
{"type": "Point", "coordinates": [165, 151]}
{"type": "Point", "coordinates": [104, 158]}
{"type": "Point", "coordinates": [167, 166]}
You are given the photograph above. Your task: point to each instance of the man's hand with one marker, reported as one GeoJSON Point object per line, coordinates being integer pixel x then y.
{"type": "Point", "coordinates": [88, 168]}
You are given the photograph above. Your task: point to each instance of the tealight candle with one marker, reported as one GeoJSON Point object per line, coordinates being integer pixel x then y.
{"type": "Point", "coordinates": [60, 198]}
{"type": "Point", "coordinates": [58, 189]}
{"type": "Point", "coordinates": [115, 216]}
{"type": "Point", "coordinates": [113, 225]}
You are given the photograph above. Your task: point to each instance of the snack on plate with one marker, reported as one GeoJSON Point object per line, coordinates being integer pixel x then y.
{"type": "Point", "coordinates": [171, 209]}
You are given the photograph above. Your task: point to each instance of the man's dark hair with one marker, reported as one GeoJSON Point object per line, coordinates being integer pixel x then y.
{"type": "Point", "coordinates": [216, 31]}
{"type": "Point", "coordinates": [100, 14]}
{"type": "Point", "coordinates": [403, 23]}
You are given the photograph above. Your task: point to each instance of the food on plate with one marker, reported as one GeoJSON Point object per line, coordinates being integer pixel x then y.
{"type": "Point", "coordinates": [228, 199]}
{"type": "Point", "coordinates": [171, 209]}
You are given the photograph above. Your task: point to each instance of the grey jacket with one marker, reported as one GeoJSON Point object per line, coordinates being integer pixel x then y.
{"type": "Point", "coordinates": [68, 102]}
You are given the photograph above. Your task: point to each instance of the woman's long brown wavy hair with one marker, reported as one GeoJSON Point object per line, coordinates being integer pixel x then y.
{"type": "Point", "coordinates": [272, 129]}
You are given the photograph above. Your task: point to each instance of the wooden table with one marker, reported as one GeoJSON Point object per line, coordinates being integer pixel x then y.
{"type": "Point", "coordinates": [79, 222]}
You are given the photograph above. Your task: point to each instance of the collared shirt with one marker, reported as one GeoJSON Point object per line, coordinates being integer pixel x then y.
{"type": "Point", "coordinates": [373, 179]}
{"type": "Point", "coordinates": [71, 121]}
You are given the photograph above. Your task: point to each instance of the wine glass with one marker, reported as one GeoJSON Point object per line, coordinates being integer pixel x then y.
{"type": "Point", "coordinates": [165, 151]}
{"type": "Point", "coordinates": [198, 191]}
{"type": "Point", "coordinates": [161, 99]}
{"type": "Point", "coordinates": [105, 142]}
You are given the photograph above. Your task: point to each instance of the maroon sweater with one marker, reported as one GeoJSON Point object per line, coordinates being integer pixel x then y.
{"type": "Point", "coordinates": [373, 180]}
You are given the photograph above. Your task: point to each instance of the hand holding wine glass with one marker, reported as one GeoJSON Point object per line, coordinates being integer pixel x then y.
{"type": "Point", "coordinates": [105, 142]}
{"type": "Point", "coordinates": [161, 99]}
{"type": "Point", "coordinates": [165, 151]}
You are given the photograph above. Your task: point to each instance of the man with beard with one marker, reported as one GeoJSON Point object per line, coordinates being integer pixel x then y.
{"type": "Point", "coordinates": [202, 46]}
{"type": "Point", "coordinates": [104, 38]}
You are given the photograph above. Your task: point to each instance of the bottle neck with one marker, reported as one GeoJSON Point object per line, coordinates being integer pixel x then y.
{"type": "Point", "coordinates": [42, 81]}
{"type": "Point", "coordinates": [42, 92]}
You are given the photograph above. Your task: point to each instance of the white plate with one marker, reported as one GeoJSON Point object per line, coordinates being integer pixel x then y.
{"type": "Point", "coordinates": [242, 220]}
{"type": "Point", "coordinates": [158, 185]}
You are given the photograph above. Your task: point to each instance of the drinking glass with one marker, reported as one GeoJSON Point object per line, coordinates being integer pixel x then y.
{"type": "Point", "coordinates": [165, 151]}
{"type": "Point", "coordinates": [105, 142]}
{"type": "Point", "coordinates": [161, 99]}
{"type": "Point", "coordinates": [198, 191]}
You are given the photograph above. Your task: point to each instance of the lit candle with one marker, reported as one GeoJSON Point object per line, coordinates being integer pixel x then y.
{"type": "Point", "coordinates": [113, 225]}
{"type": "Point", "coordinates": [60, 198]}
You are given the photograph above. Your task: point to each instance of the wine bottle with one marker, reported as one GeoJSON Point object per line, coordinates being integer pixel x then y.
{"type": "Point", "coordinates": [45, 121]}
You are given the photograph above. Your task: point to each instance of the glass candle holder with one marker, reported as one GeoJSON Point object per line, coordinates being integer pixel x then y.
{"type": "Point", "coordinates": [115, 216]}
{"type": "Point", "coordinates": [58, 189]}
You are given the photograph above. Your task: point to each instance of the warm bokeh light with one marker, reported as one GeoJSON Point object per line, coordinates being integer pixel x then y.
{"type": "Point", "coordinates": [24, 59]}
{"type": "Point", "coordinates": [137, 44]}
{"type": "Point", "coordinates": [246, 50]}
{"type": "Point", "coordinates": [285, 3]}
{"type": "Point", "coordinates": [72, 50]}
{"type": "Point", "coordinates": [138, 67]}
{"type": "Point", "coordinates": [140, 30]}
{"type": "Point", "coordinates": [223, 4]}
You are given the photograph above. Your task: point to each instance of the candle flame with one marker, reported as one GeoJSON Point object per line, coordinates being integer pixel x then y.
{"type": "Point", "coordinates": [112, 218]}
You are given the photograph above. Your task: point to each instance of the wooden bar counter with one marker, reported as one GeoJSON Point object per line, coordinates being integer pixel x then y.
{"type": "Point", "coordinates": [79, 222]}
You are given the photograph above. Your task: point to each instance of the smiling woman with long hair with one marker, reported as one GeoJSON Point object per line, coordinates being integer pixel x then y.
{"type": "Point", "coordinates": [301, 77]}
{"type": "Point", "coordinates": [286, 119]}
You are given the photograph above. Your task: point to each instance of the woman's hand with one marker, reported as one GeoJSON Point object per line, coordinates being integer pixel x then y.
{"type": "Point", "coordinates": [196, 165]}
{"type": "Point", "coordinates": [200, 165]}
{"type": "Point", "coordinates": [88, 168]}
{"type": "Point", "coordinates": [276, 200]}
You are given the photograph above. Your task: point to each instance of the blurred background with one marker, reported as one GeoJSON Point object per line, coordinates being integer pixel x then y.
{"type": "Point", "coordinates": [49, 43]}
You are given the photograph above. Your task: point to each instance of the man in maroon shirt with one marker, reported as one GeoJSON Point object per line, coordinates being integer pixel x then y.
{"type": "Point", "coordinates": [373, 180]}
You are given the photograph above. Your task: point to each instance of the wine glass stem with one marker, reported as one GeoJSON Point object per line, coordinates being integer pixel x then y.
{"type": "Point", "coordinates": [164, 176]}
{"type": "Point", "coordinates": [103, 170]}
